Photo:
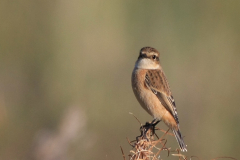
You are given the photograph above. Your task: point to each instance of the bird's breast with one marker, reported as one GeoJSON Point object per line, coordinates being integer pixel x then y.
{"type": "Point", "coordinates": [145, 96]}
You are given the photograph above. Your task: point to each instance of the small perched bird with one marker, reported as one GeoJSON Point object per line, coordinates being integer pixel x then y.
{"type": "Point", "coordinates": [152, 91]}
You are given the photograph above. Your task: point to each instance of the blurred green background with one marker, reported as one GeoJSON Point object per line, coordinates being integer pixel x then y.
{"type": "Point", "coordinates": [65, 69]}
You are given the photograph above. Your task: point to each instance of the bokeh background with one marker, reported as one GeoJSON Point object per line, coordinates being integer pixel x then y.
{"type": "Point", "coordinates": [65, 69]}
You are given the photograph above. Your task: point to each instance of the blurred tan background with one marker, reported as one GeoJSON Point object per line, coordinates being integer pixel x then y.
{"type": "Point", "coordinates": [65, 68]}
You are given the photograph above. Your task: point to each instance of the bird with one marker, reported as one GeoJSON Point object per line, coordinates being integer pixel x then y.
{"type": "Point", "coordinates": [151, 89]}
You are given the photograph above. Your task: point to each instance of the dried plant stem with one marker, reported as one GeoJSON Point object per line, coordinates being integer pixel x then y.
{"type": "Point", "coordinates": [142, 147]}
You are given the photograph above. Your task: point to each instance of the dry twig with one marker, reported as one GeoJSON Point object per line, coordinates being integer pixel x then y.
{"type": "Point", "coordinates": [143, 146]}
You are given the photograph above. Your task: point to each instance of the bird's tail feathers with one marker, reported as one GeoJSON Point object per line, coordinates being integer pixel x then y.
{"type": "Point", "coordinates": [179, 138]}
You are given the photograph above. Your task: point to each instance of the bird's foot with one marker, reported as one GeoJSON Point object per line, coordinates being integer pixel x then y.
{"type": "Point", "coordinates": [148, 130]}
{"type": "Point", "coordinates": [153, 124]}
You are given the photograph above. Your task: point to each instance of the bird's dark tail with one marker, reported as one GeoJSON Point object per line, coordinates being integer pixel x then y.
{"type": "Point", "coordinates": [179, 138]}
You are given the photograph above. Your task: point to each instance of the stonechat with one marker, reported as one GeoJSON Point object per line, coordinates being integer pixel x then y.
{"type": "Point", "coordinates": [152, 91]}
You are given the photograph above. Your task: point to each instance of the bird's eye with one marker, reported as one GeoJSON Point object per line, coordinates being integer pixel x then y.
{"type": "Point", "coordinates": [154, 57]}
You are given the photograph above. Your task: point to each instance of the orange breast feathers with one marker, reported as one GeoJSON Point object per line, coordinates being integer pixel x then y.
{"type": "Point", "coordinates": [149, 101]}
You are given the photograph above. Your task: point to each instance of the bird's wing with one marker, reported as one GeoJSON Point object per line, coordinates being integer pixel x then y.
{"type": "Point", "coordinates": [156, 81]}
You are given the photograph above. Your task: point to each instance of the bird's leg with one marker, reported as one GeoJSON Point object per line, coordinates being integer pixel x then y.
{"type": "Point", "coordinates": [153, 124]}
{"type": "Point", "coordinates": [153, 121]}
{"type": "Point", "coordinates": [144, 129]}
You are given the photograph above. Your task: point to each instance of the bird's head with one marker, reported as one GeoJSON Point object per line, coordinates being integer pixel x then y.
{"type": "Point", "coordinates": [148, 59]}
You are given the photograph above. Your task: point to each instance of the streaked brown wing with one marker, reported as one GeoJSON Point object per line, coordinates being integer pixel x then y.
{"type": "Point", "coordinates": [157, 82]}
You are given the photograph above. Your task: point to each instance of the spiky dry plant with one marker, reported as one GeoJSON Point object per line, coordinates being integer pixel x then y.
{"type": "Point", "coordinates": [148, 145]}
{"type": "Point", "coordinates": [145, 145]}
